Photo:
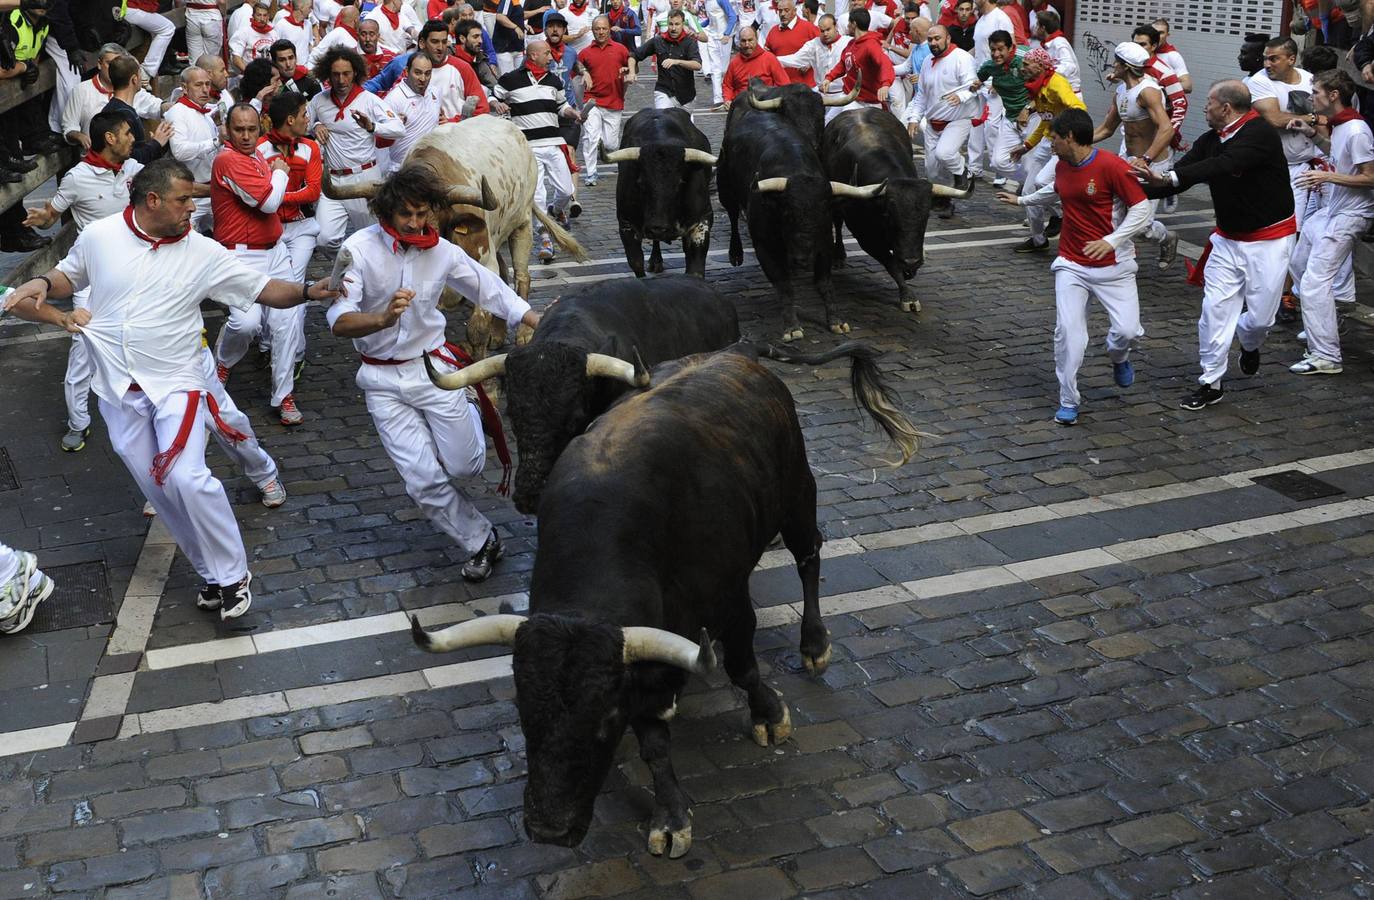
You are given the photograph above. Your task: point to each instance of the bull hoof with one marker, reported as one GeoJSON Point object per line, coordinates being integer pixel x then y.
{"type": "Point", "coordinates": [839, 327]}
{"type": "Point", "coordinates": [656, 268]}
{"type": "Point", "coordinates": [911, 306]}
{"type": "Point", "coordinates": [676, 843]}
{"type": "Point", "coordinates": [792, 334]}
{"type": "Point", "coordinates": [817, 665]}
{"type": "Point", "coordinates": [736, 257]}
{"type": "Point", "coordinates": [774, 733]}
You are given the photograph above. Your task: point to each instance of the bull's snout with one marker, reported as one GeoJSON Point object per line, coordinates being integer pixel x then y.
{"type": "Point", "coordinates": [660, 232]}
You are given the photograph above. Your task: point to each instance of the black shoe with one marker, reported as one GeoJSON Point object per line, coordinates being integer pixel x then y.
{"type": "Point", "coordinates": [1203, 397]}
{"type": "Point", "coordinates": [963, 182]}
{"type": "Point", "coordinates": [1052, 229]}
{"type": "Point", "coordinates": [1249, 361]}
{"type": "Point", "coordinates": [479, 567]}
{"type": "Point", "coordinates": [1030, 246]}
{"type": "Point", "coordinates": [24, 240]}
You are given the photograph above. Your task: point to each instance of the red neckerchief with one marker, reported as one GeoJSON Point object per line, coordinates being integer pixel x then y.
{"type": "Point", "coordinates": [353, 33]}
{"type": "Point", "coordinates": [352, 95]}
{"type": "Point", "coordinates": [535, 71]}
{"type": "Point", "coordinates": [187, 101]}
{"type": "Point", "coordinates": [1235, 126]}
{"type": "Point", "coordinates": [949, 48]}
{"type": "Point", "coordinates": [558, 54]}
{"type": "Point", "coordinates": [461, 52]}
{"type": "Point", "coordinates": [95, 80]}
{"type": "Point", "coordinates": [97, 161]}
{"type": "Point", "coordinates": [578, 10]}
{"type": "Point", "coordinates": [260, 29]}
{"type": "Point", "coordinates": [1164, 47]}
{"type": "Point", "coordinates": [214, 94]}
{"type": "Point", "coordinates": [299, 73]}
{"type": "Point", "coordinates": [1036, 85]}
{"type": "Point", "coordinates": [425, 240]}
{"type": "Point", "coordinates": [673, 40]}
{"type": "Point", "coordinates": [285, 143]}
{"type": "Point", "coordinates": [291, 17]}
{"type": "Point", "coordinates": [1340, 118]}
{"type": "Point", "coordinates": [616, 15]}
{"type": "Point", "coordinates": [139, 233]}
{"type": "Point", "coordinates": [1055, 34]}
{"type": "Point", "coordinates": [393, 17]}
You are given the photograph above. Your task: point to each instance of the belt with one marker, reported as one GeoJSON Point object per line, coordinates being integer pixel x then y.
{"type": "Point", "coordinates": [1282, 229]}
{"type": "Point", "coordinates": [363, 168]}
{"type": "Point", "coordinates": [229, 246]}
{"type": "Point", "coordinates": [213, 6]}
{"type": "Point", "coordinates": [437, 352]}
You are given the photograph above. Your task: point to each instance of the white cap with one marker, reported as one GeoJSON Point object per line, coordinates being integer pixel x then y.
{"type": "Point", "coordinates": [1132, 54]}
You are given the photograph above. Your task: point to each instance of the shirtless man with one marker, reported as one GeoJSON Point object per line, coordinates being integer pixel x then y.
{"type": "Point", "coordinates": [1140, 112]}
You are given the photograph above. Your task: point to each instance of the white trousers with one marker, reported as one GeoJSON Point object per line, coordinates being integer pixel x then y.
{"type": "Point", "coordinates": [553, 187]}
{"type": "Point", "coordinates": [1326, 245]}
{"type": "Point", "coordinates": [432, 435]}
{"type": "Point", "coordinates": [67, 81]}
{"type": "Point", "coordinates": [1305, 200]}
{"type": "Point", "coordinates": [191, 502]}
{"type": "Point", "coordinates": [715, 59]}
{"type": "Point", "coordinates": [601, 128]}
{"type": "Point", "coordinates": [1308, 204]}
{"type": "Point", "coordinates": [253, 461]}
{"type": "Point", "coordinates": [286, 326]}
{"type": "Point", "coordinates": [9, 562]}
{"type": "Point", "coordinates": [1112, 286]}
{"type": "Point", "coordinates": [945, 150]}
{"type": "Point", "coordinates": [898, 96]}
{"type": "Point", "coordinates": [666, 101]}
{"type": "Point", "coordinates": [160, 30]}
{"type": "Point", "coordinates": [1040, 164]}
{"type": "Point", "coordinates": [982, 138]}
{"type": "Point", "coordinates": [508, 62]}
{"type": "Point", "coordinates": [203, 219]}
{"type": "Point", "coordinates": [204, 34]}
{"type": "Point", "coordinates": [1003, 139]}
{"type": "Point", "coordinates": [339, 218]}
{"type": "Point", "coordinates": [1239, 275]}
{"type": "Point", "coordinates": [1156, 231]}
{"type": "Point", "coordinates": [76, 383]}
{"type": "Point", "coordinates": [299, 237]}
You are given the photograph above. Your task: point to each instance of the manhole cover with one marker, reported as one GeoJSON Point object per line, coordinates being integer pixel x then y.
{"type": "Point", "coordinates": [1297, 485]}
{"type": "Point", "coordinates": [8, 480]}
{"type": "Point", "coordinates": [81, 597]}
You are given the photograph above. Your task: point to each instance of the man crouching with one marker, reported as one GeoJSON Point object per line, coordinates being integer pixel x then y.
{"type": "Point", "coordinates": [389, 307]}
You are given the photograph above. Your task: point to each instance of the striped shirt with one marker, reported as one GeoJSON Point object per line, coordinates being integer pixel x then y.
{"type": "Point", "coordinates": [534, 105]}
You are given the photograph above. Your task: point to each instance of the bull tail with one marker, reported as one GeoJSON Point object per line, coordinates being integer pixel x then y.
{"type": "Point", "coordinates": [560, 234]}
{"type": "Point", "coordinates": [871, 391]}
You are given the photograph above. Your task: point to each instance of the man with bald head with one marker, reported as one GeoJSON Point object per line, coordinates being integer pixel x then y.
{"type": "Point", "coordinates": [821, 54]}
{"type": "Point", "coordinates": [942, 112]}
{"type": "Point", "coordinates": [751, 62]}
{"type": "Point", "coordinates": [195, 135]}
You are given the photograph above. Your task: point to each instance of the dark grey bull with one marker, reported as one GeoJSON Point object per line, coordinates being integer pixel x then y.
{"type": "Point", "coordinates": [650, 525]}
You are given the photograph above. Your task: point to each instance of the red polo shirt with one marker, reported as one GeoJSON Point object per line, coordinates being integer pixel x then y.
{"type": "Point", "coordinates": [787, 39]}
{"type": "Point", "coordinates": [762, 65]}
{"type": "Point", "coordinates": [604, 64]}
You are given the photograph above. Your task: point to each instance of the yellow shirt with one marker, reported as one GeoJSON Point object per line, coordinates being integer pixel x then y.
{"type": "Point", "coordinates": [1054, 98]}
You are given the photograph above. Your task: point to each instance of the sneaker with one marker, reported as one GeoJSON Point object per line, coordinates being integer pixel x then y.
{"type": "Point", "coordinates": [559, 216]}
{"type": "Point", "coordinates": [148, 511]}
{"type": "Point", "coordinates": [1203, 397]}
{"type": "Point", "coordinates": [210, 598]}
{"type": "Point", "coordinates": [479, 567]}
{"type": "Point", "coordinates": [589, 181]}
{"type": "Point", "coordinates": [965, 181]}
{"type": "Point", "coordinates": [74, 441]}
{"type": "Point", "coordinates": [1315, 365]}
{"type": "Point", "coordinates": [574, 209]}
{"type": "Point", "coordinates": [20, 596]}
{"type": "Point", "coordinates": [1302, 336]}
{"type": "Point", "coordinates": [545, 249]}
{"type": "Point", "coordinates": [999, 181]}
{"type": "Point", "coordinates": [1249, 361]}
{"type": "Point", "coordinates": [1168, 249]}
{"type": "Point", "coordinates": [1030, 246]}
{"type": "Point", "coordinates": [273, 494]}
{"type": "Point", "coordinates": [1123, 373]}
{"type": "Point", "coordinates": [1055, 224]}
{"type": "Point", "coordinates": [236, 598]}
{"type": "Point", "coordinates": [1289, 309]}
{"type": "Point", "coordinates": [1066, 415]}
{"type": "Point", "coordinates": [222, 372]}
{"type": "Point", "coordinates": [289, 414]}
{"type": "Point", "coordinates": [300, 367]}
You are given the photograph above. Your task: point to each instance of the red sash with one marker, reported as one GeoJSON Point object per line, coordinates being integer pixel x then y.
{"type": "Point", "coordinates": [1268, 233]}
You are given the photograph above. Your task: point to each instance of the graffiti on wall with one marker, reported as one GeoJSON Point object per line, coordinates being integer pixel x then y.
{"type": "Point", "coordinates": [1099, 59]}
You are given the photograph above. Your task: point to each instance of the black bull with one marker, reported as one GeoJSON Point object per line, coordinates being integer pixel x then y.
{"type": "Point", "coordinates": [580, 360]}
{"type": "Point", "coordinates": [650, 525]}
{"type": "Point", "coordinates": [663, 191]}
{"type": "Point", "coordinates": [867, 148]}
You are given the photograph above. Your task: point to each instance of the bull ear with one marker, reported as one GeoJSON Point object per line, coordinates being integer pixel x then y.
{"type": "Point", "coordinates": [660, 646]}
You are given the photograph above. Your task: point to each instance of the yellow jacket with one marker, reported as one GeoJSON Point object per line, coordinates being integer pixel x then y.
{"type": "Point", "coordinates": [1054, 98]}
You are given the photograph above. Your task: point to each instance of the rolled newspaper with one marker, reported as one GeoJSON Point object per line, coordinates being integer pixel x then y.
{"type": "Point", "coordinates": [341, 263]}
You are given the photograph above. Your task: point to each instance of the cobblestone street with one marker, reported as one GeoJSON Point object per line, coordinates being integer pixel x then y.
{"type": "Point", "coordinates": [1114, 660]}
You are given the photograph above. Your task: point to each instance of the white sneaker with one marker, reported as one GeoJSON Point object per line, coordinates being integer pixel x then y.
{"type": "Point", "coordinates": [237, 598]}
{"type": "Point", "coordinates": [20, 596]}
{"type": "Point", "coordinates": [1302, 335]}
{"type": "Point", "coordinates": [1316, 365]}
{"type": "Point", "coordinates": [148, 511]}
{"type": "Point", "coordinates": [273, 494]}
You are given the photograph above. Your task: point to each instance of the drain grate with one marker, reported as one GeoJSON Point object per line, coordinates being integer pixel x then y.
{"type": "Point", "coordinates": [8, 480]}
{"type": "Point", "coordinates": [81, 597]}
{"type": "Point", "coordinates": [1297, 485]}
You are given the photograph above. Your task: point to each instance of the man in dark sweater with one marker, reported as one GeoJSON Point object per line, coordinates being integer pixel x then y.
{"type": "Point", "coordinates": [677, 58]}
{"type": "Point", "coordinates": [124, 77]}
{"type": "Point", "coordinates": [1246, 258]}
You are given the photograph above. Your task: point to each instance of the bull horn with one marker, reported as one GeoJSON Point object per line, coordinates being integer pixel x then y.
{"type": "Point", "coordinates": [624, 154]}
{"type": "Point", "coordinates": [857, 192]}
{"type": "Point", "coordinates": [657, 645]}
{"type": "Point", "coordinates": [775, 103]}
{"type": "Point", "coordinates": [480, 196]}
{"type": "Point", "coordinates": [845, 99]}
{"type": "Point", "coordinates": [771, 185]}
{"type": "Point", "coordinates": [944, 190]}
{"type": "Point", "coordinates": [364, 191]}
{"type": "Point", "coordinates": [472, 633]}
{"type": "Point", "coordinates": [469, 375]}
{"type": "Point", "coordinates": [700, 157]}
{"type": "Point", "coordinates": [600, 365]}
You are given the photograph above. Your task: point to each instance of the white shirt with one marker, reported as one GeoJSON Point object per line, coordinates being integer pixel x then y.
{"type": "Point", "coordinates": [378, 272]}
{"type": "Point", "coordinates": [1352, 145]}
{"type": "Point", "coordinates": [420, 112]}
{"type": "Point", "coordinates": [249, 45]}
{"type": "Point", "coordinates": [397, 40]}
{"type": "Point", "coordinates": [337, 37]}
{"type": "Point", "coordinates": [324, 12]}
{"type": "Point", "coordinates": [296, 34]}
{"type": "Point", "coordinates": [94, 192]}
{"type": "Point", "coordinates": [446, 83]}
{"type": "Point", "coordinates": [145, 305]}
{"type": "Point", "coordinates": [988, 23]}
{"type": "Point", "coordinates": [950, 74]}
{"type": "Point", "coordinates": [88, 99]}
{"type": "Point", "coordinates": [239, 18]}
{"type": "Point", "coordinates": [576, 23]}
{"type": "Point", "coordinates": [195, 138]}
{"type": "Point", "coordinates": [350, 146]}
{"type": "Point", "coordinates": [1292, 98]}
{"type": "Point", "coordinates": [1174, 60]}
{"type": "Point", "coordinates": [815, 55]}
{"type": "Point", "coordinates": [1065, 62]}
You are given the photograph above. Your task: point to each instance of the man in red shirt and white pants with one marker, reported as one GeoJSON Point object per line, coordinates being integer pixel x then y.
{"type": "Point", "coordinates": [245, 193]}
{"type": "Point", "coordinates": [1104, 207]}
{"type": "Point", "coordinates": [864, 55]}
{"type": "Point", "coordinates": [607, 67]}
{"type": "Point", "coordinates": [751, 62]}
